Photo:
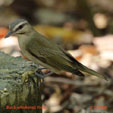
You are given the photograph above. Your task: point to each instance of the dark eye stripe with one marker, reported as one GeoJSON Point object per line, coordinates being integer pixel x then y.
{"type": "Point", "coordinates": [20, 27]}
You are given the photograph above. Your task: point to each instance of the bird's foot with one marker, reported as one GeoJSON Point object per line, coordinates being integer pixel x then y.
{"type": "Point", "coordinates": [42, 75]}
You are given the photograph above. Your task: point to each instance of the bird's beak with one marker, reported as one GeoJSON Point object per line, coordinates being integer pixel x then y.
{"type": "Point", "coordinates": [9, 34]}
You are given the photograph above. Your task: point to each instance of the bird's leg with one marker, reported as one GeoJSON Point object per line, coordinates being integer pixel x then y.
{"type": "Point", "coordinates": [40, 74]}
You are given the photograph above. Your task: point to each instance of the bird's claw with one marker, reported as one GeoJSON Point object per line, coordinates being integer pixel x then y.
{"type": "Point", "coordinates": [38, 73]}
{"type": "Point", "coordinates": [41, 75]}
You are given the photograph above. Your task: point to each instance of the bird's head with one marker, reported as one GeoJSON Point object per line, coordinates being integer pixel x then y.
{"type": "Point", "coordinates": [19, 27]}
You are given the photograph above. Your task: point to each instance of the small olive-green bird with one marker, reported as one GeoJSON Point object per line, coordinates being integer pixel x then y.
{"type": "Point", "coordinates": [45, 52]}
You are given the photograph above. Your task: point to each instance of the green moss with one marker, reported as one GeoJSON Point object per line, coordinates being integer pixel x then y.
{"type": "Point", "coordinates": [18, 84]}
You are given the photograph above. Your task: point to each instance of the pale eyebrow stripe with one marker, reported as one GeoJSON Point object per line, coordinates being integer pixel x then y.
{"type": "Point", "coordinates": [19, 25]}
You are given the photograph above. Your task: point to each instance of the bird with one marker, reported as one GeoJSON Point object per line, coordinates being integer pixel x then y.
{"type": "Point", "coordinates": [45, 52]}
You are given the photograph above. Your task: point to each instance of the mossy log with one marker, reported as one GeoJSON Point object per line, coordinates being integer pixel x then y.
{"type": "Point", "coordinates": [20, 89]}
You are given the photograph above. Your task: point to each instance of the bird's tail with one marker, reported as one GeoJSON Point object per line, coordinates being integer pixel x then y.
{"type": "Point", "coordinates": [87, 70]}
{"type": "Point", "coordinates": [82, 69]}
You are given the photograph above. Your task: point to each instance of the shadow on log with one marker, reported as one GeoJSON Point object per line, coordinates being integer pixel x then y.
{"type": "Point", "coordinates": [20, 89]}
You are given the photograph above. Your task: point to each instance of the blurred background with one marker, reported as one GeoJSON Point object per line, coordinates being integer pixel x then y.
{"type": "Point", "coordinates": [85, 29]}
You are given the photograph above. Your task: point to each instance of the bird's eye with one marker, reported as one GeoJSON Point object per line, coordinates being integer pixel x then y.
{"type": "Point", "coordinates": [21, 26]}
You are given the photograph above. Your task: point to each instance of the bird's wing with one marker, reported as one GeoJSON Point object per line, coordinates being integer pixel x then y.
{"type": "Point", "coordinates": [49, 52]}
